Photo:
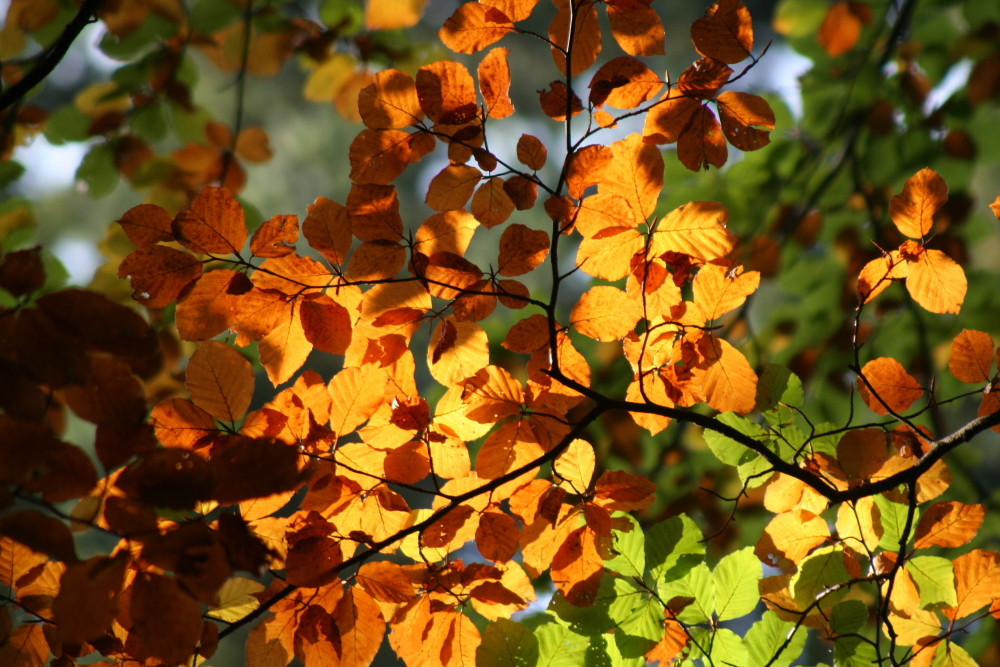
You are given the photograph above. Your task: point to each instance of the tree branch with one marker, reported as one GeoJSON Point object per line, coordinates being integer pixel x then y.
{"type": "Point", "coordinates": [52, 55]}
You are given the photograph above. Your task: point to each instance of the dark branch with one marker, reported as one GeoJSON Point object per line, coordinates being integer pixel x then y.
{"type": "Point", "coordinates": [52, 55]}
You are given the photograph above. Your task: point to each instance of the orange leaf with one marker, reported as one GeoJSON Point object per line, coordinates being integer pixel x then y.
{"type": "Point", "coordinates": [497, 536]}
{"type": "Point", "coordinates": [577, 567]}
{"type": "Point", "coordinates": [491, 205]}
{"type": "Point", "coordinates": [697, 229]}
{"type": "Point", "coordinates": [511, 446]}
{"type": "Point", "coordinates": [791, 536]}
{"type": "Point", "coordinates": [913, 209]}
{"type": "Point", "coordinates": [936, 282]}
{"type": "Point", "coordinates": [147, 224]}
{"type": "Point", "coordinates": [390, 102]}
{"type": "Point", "coordinates": [605, 313]}
{"type": "Point", "coordinates": [531, 152]}
{"type": "Point", "coordinates": [327, 227]}
{"type": "Point", "coordinates": [972, 357]}
{"type": "Point", "coordinates": [457, 350]}
{"type": "Point", "coordinates": [374, 211]}
{"type": "Point", "coordinates": [977, 580]}
{"type": "Point", "coordinates": [701, 143]}
{"type": "Point", "coordinates": [586, 168]}
{"type": "Point", "coordinates": [557, 103]}
{"type": "Point", "coordinates": [379, 156]}
{"type": "Point", "coordinates": [158, 602]}
{"type": "Point", "coordinates": [575, 466]}
{"type": "Point", "coordinates": [841, 28]}
{"type": "Point", "coordinates": [449, 231]}
{"type": "Point", "coordinates": [284, 348]}
{"type": "Point", "coordinates": [636, 27]}
{"type": "Point", "coordinates": [605, 210]}
{"type": "Point", "coordinates": [585, 32]}
{"type": "Point", "coordinates": [208, 308]}
{"type": "Point", "coordinates": [729, 382]}
{"type": "Point", "coordinates": [494, 83]}
{"type": "Point", "coordinates": [452, 187]}
{"type": "Point", "coordinates": [159, 274]}
{"type": "Point", "coordinates": [742, 116]}
{"type": "Point", "coordinates": [636, 175]}
{"type": "Point", "coordinates": [718, 290]}
{"type": "Point", "coordinates": [624, 83]}
{"type": "Point", "coordinates": [390, 15]}
{"type": "Point", "coordinates": [40, 532]}
{"type": "Point", "coordinates": [375, 260]}
{"type": "Point", "coordinates": [879, 273]}
{"type": "Point", "coordinates": [492, 394]}
{"type": "Point", "coordinates": [666, 121]}
{"type": "Point", "coordinates": [448, 274]}
{"type": "Point", "coordinates": [220, 380]}
{"type": "Point", "coordinates": [181, 423]}
{"type": "Point", "coordinates": [473, 27]}
{"type": "Point", "coordinates": [617, 490]}
{"type": "Point", "coordinates": [609, 253]}
{"type": "Point", "coordinates": [253, 145]}
{"type": "Point", "coordinates": [214, 223]}
{"type": "Point", "coordinates": [325, 323]}
{"type": "Point", "coordinates": [276, 237]}
{"type": "Point", "coordinates": [949, 524]}
{"type": "Point", "coordinates": [87, 602]}
{"type": "Point", "coordinates": [522, 250]}
{"type": "Point", "coordinates": [357, 393]}
{"type": "Point", "coordinates": [725, 33]}
{"type": "Point", "coordinates": [447, 93]}
{"type": "Point", "coordinates": [897, 388]}
{"type": "Point", "coordinates": [703, 79]}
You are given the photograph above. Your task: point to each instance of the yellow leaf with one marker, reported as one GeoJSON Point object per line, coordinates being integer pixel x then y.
{"type": "Point", "coordinates": [605, 313]}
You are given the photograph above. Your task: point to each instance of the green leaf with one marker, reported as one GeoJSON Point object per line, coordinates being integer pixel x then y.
{"type": "Point", "coordinates": [728, 450]}
{"type": "Point", "coordinates": [98, 170]}
{"type": "Point", "coordinates": [767, 636]}
{"type": "Point", "coordinates": [10, 171]}
{"type": "Point", "coordinates": [697, 585]}
{"type": "Point", "coordinates": [728, 648]}
{"type": "Point", "coordinates": [67, 124]}
{"type": "Point", "coordinates": [819, 571]}
{"type": "Point", "coordinates": [673, 547]}
{"type": "Point", "coordinates": [736, 577]}
{"type": "Point", "coordinates": [630, 550]}
{"type": "Point", "coordinates": [853, 652]}
{"type": "Point", "coordinates": [209, 16]}
{"type": "Point", "coordinates": [637, 615]}
{"type": "Point", "coordinates": [935, 579]}
{"type": "Point", "coordinates": [507, 644]}
{"type": "Point", "coordinates": [604, 651]}
{"type": "Point", "coordinates": [558, 646]}
{"type": "Point", "coordinates": [950, 654]}
{"type": "Point", "coordinates": [893, 521]}
{"type": "Point", "coordinates": [592, 620]}
{"type": "Point", "coordinates": [771, 386]}
{"type": "Point", "coordinates": [848, 617]}
{"type": "Point", "coordinates": [150, 122]}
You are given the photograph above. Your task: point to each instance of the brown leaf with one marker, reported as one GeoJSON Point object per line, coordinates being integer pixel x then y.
{"type": "Point", "coordinates": [327, 227]}
{"type": "Point", "coordinates": [40, 532]}
{"type": "Point", "coordinates": [157, 603]}
{"type": "Point", "coordinates": [213, 224]}
{"type": "Point", "coordinates": [276, 237]}
{"type": "Point", "coordinates": [494, 83]}
{"type": "Point", "coordinates": [220, 380]}
{"type": "Point", "coordinates": [147, 224]}
{"type": "Point", "coordinates": [87, 602]}
{"type": "Point", "coordinates": [447, 93]}
{"type": "Point", "coordinates": [636, 27]}
{"type": "Point", "coordinates": [522, 250]}
{"type": "Point", "coordinates": [159, 274]}
{"type": "Point", "coordinates": [725, 33]}
{"type": "Point", "coordinates": [390, 102]}
{"type": "Point", "coordinates": [473, 27]}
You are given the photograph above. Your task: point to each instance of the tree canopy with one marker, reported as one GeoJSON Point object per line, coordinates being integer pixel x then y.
{"type": "Point", "coordinates": [603, 351]}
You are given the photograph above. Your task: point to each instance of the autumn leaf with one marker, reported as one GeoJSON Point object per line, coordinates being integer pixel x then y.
{"type": "Point", "coordinates": [636, 27]}
{"type": "Point", "coordinates": [842, 27]}
{"type": "Point", "coordinates": [948, 524]}
{"type": "Point", "coordinates": [214, 223]}
{"type": "Point", "coordinates": [605, 313]}
{"type": "Point", "coordinates": [522, 250]}
{"type": "Point", "coordinates": [935, 280]}
{"type": "Point", "coordinates": [452, 187]}
{"type": "Point", "coordinates": [447, 93]}
{"type": "Point", "coordinates": [583, 25]}
{"type": "Point", "coordinates": [390, 102]}
{"type": "Point", "coordinates": [473, 27]}
{"type": "Point", "coordinates": [891, 388]}
{"type": "Point", "coordinates": [220, 381]}
{"type": "Point", "coordinates": [725, 33]}
{"type": "Point", "coordinates": [494, 83]}
{"type": "Point", "coordinates": [746, 120]}
{"type": "Point", "coordinates": [624, 83]}
{"type": "Point", "coordinates": [972, 357]}
{"type": "Point", "coordinates": [913, 210]}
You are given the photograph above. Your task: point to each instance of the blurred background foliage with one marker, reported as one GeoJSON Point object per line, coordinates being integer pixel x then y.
{"type": "Point", "coordinates": [158, 98]}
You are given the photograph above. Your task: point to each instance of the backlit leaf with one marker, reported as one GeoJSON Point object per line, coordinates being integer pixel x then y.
{"type": "Point", "coordinates": [583, 25]}
{"type": "Point", "coordinates": [494, 83]}
{"type": "Point", "coordinates": [977, 579]}
{"type": "Point", "coordinates": [913, 209]}
{"type": "Point", "coordinates": [522, 250]}
{"type": "Point", "coordinates": [937, 282]}
{"type": "Point", "coordinates": [746, 120]}
{"type": "Point", "coordinates": [390, 102]}
{"type": "Point", "coordinates": [972, 357]}
{"type": "Point", "coordinates": [890, 382]}
{"type": "Point", "coordinates": [725, 33]}
{"type": "Point", "coordinates": [447, 93]}
{"type": "Point", "coordinates": [473, 27]}
{"type": "Point", "coordinates": [575, 466]}
{"type": "Point", "coordinates": [605, 313]}
{"type": "Point", "coordinates": [220, 381]}
{"type": "Point", "coordinates": [357, 393]}
{"type": "Point", "coordinates": [636, 27]}
{"type": "Point", "coordinates": [949, 524]}
{"type": "Point", "coordinates": [701, 143]}
{"type": "Point", "coordinates": [624, 83]}
{"type": "Point", "coordinates": [214, 223]}
{"type": "Point", "coordinates": [452, 187]}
